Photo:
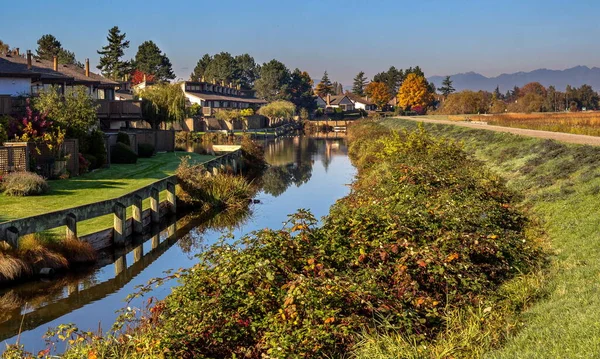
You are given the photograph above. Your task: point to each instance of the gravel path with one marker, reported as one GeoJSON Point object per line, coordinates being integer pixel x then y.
{"type": "Point", "coordinates": [558, 136]}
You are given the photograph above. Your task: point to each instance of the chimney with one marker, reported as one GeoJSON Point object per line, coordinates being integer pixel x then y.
{"type": "Point", "coordinates": [17, 51]}
{"type": "Point", "coordinates": [328, 99]}
{"type": "Point", "coordinates": [203, 80]}
{"type": "Point", "coordinates": [144, 78]}
{"type": "Point", "coordinates": [55, 67]}
{"type": "Point", "coordinates": [87, 67]}
{"type": "Point", "coordinates": [28, 59]}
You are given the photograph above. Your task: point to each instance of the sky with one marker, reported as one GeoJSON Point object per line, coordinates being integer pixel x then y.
{"type": "Point", "coordinates": [342, 37]}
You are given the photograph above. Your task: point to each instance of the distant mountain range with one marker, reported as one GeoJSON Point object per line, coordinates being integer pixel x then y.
{"type": "Point", "coordinates": [575, 76]}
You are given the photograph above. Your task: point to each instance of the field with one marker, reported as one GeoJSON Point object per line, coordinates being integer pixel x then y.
{"type": "Point", "coordinates": [579, 123]}
{"type": "Point", "coordinates": [560, 184]}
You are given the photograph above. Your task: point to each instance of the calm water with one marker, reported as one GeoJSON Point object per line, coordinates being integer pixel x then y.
{"type": "Point", "coordinates": [305, 173]}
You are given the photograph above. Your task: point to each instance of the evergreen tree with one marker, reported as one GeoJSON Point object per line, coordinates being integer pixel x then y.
{"type": "Point", "coordinates": [301, 92]}
{"type": "Point", "coordinates": [200, 68]}
{"type": "Point", "coordinates": [49, 46]}
{"type": "Point", "coordinates": [497, 94]}
{"type": "Point", "coordinates": [110, 62]}
{"type": "Point", "coordinates": [358, 87]}
{"type": "Point", "coordinates": [246, 71]}
{"type": "Point", "coordinates": [340, 89]}
{"type": "Point", "coordinates": [273, 81]}
{"type": "Point", "coordinates": [324, 87]}
{"type": "Point", "coordinates": [392, 78]}
{"type": "Point", "coordinates": [151, 61]}
{"type": "Point", "coordinates": [221, 68]}
{"type": "Point", "coordinates": [446, 88]}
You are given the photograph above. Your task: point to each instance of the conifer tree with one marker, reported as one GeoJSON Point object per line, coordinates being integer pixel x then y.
{"type": "Point", "coordinates": [446, 88]}
{"type": "Point", "coordinates": [360, 81]}
{"type": "Point", "coordinates": [151, 61]}
{"type": "Point", "coordinates": [324, 87]}
{"type": "Point", "coordinates": [110, 62]}
{"type": "Point", "coordinates": [200, 68]}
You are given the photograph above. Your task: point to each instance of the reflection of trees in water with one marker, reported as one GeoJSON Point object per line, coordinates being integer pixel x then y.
{"type": "Point", "coordinates": [228, 220]}
{"type": "Point", "coordinates": [277, 179]}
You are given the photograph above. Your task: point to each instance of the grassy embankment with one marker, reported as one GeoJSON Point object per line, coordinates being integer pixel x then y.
{"type": "Point", "coordinates": [99, 185]}
{"type": "Point", "coordinates": [425, 230]}
{"type": "Point", "coordinates": [560, 183]}
{"type": "Point", "coordinates": [579, 123]}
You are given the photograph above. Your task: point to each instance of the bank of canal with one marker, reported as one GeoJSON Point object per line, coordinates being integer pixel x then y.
{"type": "Point", "coordinates": [305, 173]}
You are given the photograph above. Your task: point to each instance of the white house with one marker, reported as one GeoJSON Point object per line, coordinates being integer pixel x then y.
{"type": "Point", "coordinates": [214, 97]}
{"type": "Point", "coordinates": [362, 103]}
{"type": "Point", "coordinates": [337, 101]}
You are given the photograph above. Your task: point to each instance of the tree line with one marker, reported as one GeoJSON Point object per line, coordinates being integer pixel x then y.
{"type": "Point", "coordinates": [532, 97]}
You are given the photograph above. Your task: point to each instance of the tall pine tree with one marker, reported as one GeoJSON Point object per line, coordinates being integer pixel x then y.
{"type": "Point", "coordinates": [151, 61]}
{"type": "Point", "coordinates": [110, 62]}
{"type": "Point", "coordinates": [49, 46]}
{"type": "Point", "coordinates": [360, 81]}
{"type": "Point", "coordinates": [324, 87]}
{"type": "Point", "coordinates": [446, 88]}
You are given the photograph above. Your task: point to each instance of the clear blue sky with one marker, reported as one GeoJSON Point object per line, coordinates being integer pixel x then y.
{"type": "Point", "coordinates": [342, 37]}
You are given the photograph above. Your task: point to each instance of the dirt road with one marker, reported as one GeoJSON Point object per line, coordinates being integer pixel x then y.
{"type": "Point", "coordinates": [558, 136]}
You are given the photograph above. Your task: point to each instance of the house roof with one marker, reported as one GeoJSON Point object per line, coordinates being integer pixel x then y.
{"type": "Point", "coordinates": [18, 64]}
{"type": "Point", "coordinates": [356, 98]}
{"type": "Point", "coordinates": [209, 96]}
{"type": "Point", "coordinates": [335, 99]}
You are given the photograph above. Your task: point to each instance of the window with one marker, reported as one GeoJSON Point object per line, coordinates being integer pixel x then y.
{"type": "Point", "coordinates": [188, 88]}
{"type": "Point", "coordinates": [216, 104]}
{"type": "Point", "coordinates": [225, 104]}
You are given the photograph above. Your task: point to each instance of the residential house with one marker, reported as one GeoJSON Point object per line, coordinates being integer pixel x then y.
{"type": "Point", "coordinates": [214, 97]}
{"type": "Point", "coordinates": [362, 102]}
{"type": "Point", "coordinates": [332, 102]}
{"type": "Point", "coordinates": [27, 76]}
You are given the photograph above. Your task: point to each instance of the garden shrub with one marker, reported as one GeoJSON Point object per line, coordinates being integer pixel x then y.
{"type": "Point", "coordinates": [145, 150]}
{"type": "Point", "coordinates": [121, 153]}
{"type": "Point", "coordinates": [123, 137]}
{"type": "Point", "coordinates": [93, 161]}
{"type": "Point", "coordinates": [4, 123]}
{"type": "Point", "coordinates": [97, 149]}
{"type": "Point", "coordinates": [23, 184]}
{"type": "Point", "coordinates": [84, 164]}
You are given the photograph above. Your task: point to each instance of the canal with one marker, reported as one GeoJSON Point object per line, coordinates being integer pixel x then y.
{"type": "Point", "coordinates": [305, 172]}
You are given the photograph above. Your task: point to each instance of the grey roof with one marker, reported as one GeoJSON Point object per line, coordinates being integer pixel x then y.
{"type": "Point", "coordinates": [17, 65]}
{"type": "Point", "coordinates": [356, 98]}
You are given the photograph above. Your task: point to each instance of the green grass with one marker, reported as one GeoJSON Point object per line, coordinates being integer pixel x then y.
{"type": "Point", "coordinates": [99, 185]}
{"type": "Point", "coordinates": [560, 183]}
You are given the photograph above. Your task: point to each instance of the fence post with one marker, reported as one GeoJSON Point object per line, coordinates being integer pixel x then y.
{"type": "Point", "coordinates": [120, 264]}
{"type": "Point", "coordinates": [171, 198]}
{"type": "Point", "coordinates": [154, 210]}
{"type": "Point", "coordinates": [71, 222]}
{"type": "Point", "coordinates": [138, 226]}
{"type": "Point", "coordinates": [120, 212]}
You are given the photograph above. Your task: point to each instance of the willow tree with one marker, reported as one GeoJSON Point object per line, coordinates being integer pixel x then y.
{"type": "Point", "coordinates": [163, 103]}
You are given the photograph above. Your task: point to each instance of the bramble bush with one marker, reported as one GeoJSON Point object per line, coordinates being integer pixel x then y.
{"type": "Point", "coordinates": [425, 229]}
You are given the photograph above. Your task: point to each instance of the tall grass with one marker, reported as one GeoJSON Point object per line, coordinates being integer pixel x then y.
{"type": "Point", "coordinates": [40, 250]}
{"type": "Point", "coordinates": [580, 123]}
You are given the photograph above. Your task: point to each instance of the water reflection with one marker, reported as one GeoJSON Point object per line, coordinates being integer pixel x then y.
{"type": "Point", "coordinates": [304, 173]}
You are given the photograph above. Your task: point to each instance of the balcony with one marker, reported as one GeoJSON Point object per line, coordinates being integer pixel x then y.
{"type": "Point", "coordinates": [117, 110]}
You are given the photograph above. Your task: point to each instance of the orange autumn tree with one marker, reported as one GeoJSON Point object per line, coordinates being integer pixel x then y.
{"type": "Point", "coordinates": [414, 92]}
{"type": "Point", "coordinates": [378, 93]}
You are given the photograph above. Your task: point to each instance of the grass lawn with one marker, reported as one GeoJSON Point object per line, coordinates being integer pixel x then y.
{"type": "Point", "coordinates": [560, 184]}
{"type": "Point", "coordinates": [96, 186]}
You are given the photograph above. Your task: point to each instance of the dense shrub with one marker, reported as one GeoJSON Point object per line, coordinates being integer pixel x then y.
{"type": "Point", "coordinates": [97, 149]}
{"type": "Point", "coordinates": [121, 153]}
{"type": "Point", "coordinates": [123, 137]}
{"type": "Point", "coordinates": [23, 184]}
{"type": "Point", "coordinates": [93, 161]}
{"type": "Point", "coordinates": [4, 122]}
{"type": "Point", "coordinates": [253, 157]}
{"type": "Point", "coordinates": [145, 150]}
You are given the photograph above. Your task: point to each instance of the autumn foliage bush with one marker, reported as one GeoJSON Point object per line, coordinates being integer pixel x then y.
{"type": "Point", "coordinates": [425, 229]}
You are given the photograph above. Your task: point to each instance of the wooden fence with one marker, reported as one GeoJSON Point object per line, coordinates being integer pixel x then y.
{"type": "Point", "coordinates": [11, 231]}
{"type": "Point", "coordinates": [14, 156]}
